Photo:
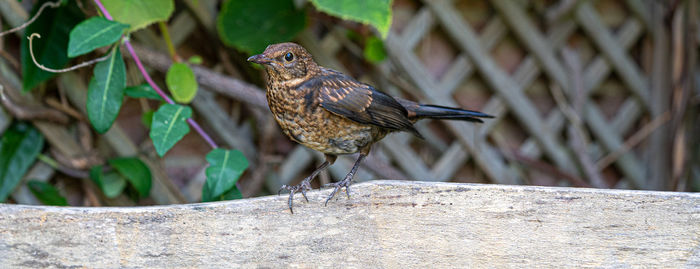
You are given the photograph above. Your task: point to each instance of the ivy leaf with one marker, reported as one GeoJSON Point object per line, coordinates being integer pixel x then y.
{"type": "Point", "coordinates": [232, 194]}
{"type": "Point", "coordinates": [252, 25]}
{"type": "Point", "coordinates": [136, 172]}
{"type": "Point", "coordinates": [111, 184]}
{"type": "Point", "coordinates": [142, 91]}
{"type": "Point", "coordinates": [169, 126]}
{"type": "Point", "coordinates": [46, 193]}
{"type": "Point", "coordinates": [106, 91]}
{"type": "Point", "coordinates": [139, 13]}
{"type": "Point", "coordinates": [181, 82]}
{"type": "Point", "coordinates": [374, 50]}
{"type": "Point", "coordinates": [19, 146]}
{"type": "Point", "coordinates": [54, 26]}
{"type": "Point", "coordinates": [225, 167]}
{"type": "Point", "coordinates": [373, 12]}
{"type": "Point", "coordinates": [93, 33]}
{"type": "Point", "coordinates": [147, 118]}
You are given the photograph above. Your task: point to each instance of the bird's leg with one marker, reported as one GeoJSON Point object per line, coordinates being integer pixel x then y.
{"type": "Point", "coordinates": [346, 181]}
{"type": "Point", "coordinates": [306, 183]}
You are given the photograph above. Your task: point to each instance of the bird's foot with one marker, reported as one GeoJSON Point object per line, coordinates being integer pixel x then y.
{"type": "Point", "coordinates": [301, 187]}
{"type": "Point", "coordinates": [338, 185]}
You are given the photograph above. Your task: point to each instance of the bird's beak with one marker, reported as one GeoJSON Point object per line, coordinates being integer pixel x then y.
{"type": "Point", "coordinates": [259, 59]}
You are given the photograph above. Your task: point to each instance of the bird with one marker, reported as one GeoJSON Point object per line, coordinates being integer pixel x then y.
{"type": "Point", "coordinates": [335, 114]}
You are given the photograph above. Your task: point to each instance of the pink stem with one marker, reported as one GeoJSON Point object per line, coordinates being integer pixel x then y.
{"type": "Point", "coordinates": [160, 92]}
{"type": "Point", "coordinates": [103, 9]}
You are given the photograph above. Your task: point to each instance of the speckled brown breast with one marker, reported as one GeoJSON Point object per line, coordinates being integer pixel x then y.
{"type": "Point", "coordinates": [313, 126]}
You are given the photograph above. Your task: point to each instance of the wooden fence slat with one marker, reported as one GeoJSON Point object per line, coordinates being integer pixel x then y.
{"type": "Point", "coordinates": [543, 51]}
{"type": "Point", "coordinates": [385, 224]}
{"type": "Point", "coordinates": [450, 161]}
{"type": "Point", "coordinates": [296, 161]}
{"type": "Point", "coordinates": [418, 27]}
{"type": "Point", "coordinates": [628, 71]}
{"type": "Point", "coordinates": [626, 162]}
{"type": "Point", "coordinates": [408, 161]}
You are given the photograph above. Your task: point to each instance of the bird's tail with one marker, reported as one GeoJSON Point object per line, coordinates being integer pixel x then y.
{"type": "Point", "coordinates": [449, 113]}
{"type": "Point", "coordinates": [419, 111]}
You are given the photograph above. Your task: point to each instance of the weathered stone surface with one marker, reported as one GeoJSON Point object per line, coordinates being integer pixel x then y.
{"type": "Point", "coordinates": [390, 224]}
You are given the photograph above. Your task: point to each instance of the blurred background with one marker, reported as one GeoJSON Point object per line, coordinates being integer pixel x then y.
{"type": "Point", "coordinates": [599, 93]}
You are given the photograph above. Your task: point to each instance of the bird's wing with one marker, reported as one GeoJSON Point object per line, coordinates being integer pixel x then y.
{"type": "Point", "coordinates": [349, 98]}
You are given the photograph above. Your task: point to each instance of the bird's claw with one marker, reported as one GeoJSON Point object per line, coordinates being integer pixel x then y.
{"type": "Point", "coordinates": [301, 187]}
{"type": "Point", "coordinates": [338, 185]}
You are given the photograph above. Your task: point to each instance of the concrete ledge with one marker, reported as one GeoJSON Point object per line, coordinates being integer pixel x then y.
{"type": "Point", "coordinates": [391, 224]}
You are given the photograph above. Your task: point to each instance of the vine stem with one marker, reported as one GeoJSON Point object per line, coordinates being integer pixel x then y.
{"type": "Point", "coordinates": [30, 21]}
{"type": "Point", "coordinates": [166, 35]}
{"type": "Point", "coordinates": [150, 81]}
{"type": "Point", "coordinates": [42, 67]}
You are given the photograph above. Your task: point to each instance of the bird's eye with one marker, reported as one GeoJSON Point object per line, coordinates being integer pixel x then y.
{"type": "Point", "coordinates": [289, 57]}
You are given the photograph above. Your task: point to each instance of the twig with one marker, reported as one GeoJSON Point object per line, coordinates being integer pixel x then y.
{"type": "Point", "coordinates": [33, 112]}
{"type": "Point", "coordinates": [166, 35]}
{"type": "Point", "coordinates": [85, 136]}
{"type": "Point", "coordinates": [42, 67]}
{"type": "Point", "coordinates": [76, 173]}
{"type": "Point", "coordinates": [10, 59]}
{"type": "Point", "coordinates": [55, 104]}
{"type": "Point", "coordinates": [568, 111]}
{"type": "Point", "coordinates": [81, 161]}
{"type": "Point", "coordinates": [36, 16]}
{"type": "Point", "coordinates": [578, 139]}
{"type": "Point", "coordinates": [637, 137]}
{"type": "Point", "coordinates": [90, 197]}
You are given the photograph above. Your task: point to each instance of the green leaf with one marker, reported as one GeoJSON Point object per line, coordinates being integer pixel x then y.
{"type": "Point", "coordinates": [19, 146]}
{"type": "Point", "coordinates": [373, 12]}
{"type": "Point", "coordinates": [374, 50]}
{"type": "Point", "coordinates": [181, 82]}
{"type": "Point", "coordinates": [93, 33]}
{"type": "Point", "coordinates": [225, 167]}
{"type": "Point", "coordinates": [147, 118]}
{"type": "Point", "coordinates": [139, 13]}
{"type": "Point", "coordinates": [106, 91]}
{"type": "Point", "coordinates": [54, 26]}
{"type": "Point", "coordinates": [232, 194]}
{"type": "Point", "coordinates": [46, 193]}
{"type": "Point", "coordinates": [169, 126]}
{"type": "Point", "coordinates": [142, 91]}
{"type": "Point", "coordinates": [195, 59]}
{"type": "Point", "coordinates": [136, 172]}
{"type": "Point", "coordinates": [111, 184]}
{"type": "Point", "coordinates": [252, 25]}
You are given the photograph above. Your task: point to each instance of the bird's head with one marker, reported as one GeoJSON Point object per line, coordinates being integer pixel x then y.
{"type": "Point", "coordinates": [285, 61]}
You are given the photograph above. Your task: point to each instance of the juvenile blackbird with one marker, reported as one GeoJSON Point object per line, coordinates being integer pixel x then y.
{"type": "Point", "coordinates": [335, 114]}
